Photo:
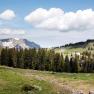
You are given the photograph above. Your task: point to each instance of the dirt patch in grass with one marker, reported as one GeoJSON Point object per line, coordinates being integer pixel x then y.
{"type": "Point", "coordinates": [2, 82]}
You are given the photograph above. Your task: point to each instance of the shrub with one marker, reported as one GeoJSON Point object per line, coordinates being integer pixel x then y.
{"type": "Point", "coordinates": [28, 87]}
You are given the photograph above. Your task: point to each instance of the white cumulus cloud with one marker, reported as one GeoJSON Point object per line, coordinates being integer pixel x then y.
{"type": "Point", "coordinates": [7, 15]}
{"type": "Point", "coordinates": [57, 19]}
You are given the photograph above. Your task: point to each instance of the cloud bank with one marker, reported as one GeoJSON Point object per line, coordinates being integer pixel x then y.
{"type": "Point", "coordinates": [57, 19]}
{"type": "Point", "coordinates": [10, 31]}
{"type": "Point", "coordinates": [7, 15]}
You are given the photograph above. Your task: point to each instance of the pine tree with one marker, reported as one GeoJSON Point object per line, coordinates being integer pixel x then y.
{"type": "Point", "coordinates": [20, 58]}
{"type": "Point", "coordinates": [67, 64]}
{"type": "Point", "coordinates": [14, 57]}
{"type": "Point", "coordinates": [4, 57]}
{"type": "Point", "coordinates": [76, 63]}
{"type": "Point", "coordinates": [61, 63]}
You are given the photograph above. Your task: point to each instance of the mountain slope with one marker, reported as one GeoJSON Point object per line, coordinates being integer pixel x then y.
{"type": "Point", "coordinates": [79, 44]}
{"type": "Point", "coordinates": [17, 43]}
{"type": "Point", "coordinates": [76, 47]}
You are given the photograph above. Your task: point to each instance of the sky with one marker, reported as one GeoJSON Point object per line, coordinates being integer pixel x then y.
{"type": "Point", "coordinates": [48, 23]}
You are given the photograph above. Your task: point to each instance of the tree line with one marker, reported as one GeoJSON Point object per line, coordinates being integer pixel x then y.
{"type": "Point", "coordinates": [47, 60]}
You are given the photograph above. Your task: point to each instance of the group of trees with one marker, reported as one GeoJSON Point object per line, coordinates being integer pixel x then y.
{"type": "Point", "coordinates": [44, 59]}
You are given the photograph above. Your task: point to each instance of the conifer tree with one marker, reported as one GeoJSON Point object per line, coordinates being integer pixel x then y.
{"type": "Point", "coordinates": [67, 64]}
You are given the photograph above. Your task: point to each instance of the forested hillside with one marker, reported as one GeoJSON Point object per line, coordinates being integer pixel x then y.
{"type": "Point", "coordinates": [78, 47]}
{"type": "Point", "coordinates": [46, 59]}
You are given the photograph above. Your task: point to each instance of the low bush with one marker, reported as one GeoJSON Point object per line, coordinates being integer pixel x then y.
{"type": "Point", "coordinates": [28, 87]}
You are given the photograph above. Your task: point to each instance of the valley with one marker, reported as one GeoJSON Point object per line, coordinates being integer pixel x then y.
{"type": "Point", "coordinates": [46, 46]}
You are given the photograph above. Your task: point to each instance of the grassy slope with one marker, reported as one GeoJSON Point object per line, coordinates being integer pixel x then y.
{"type": "Point", "coordinates": [11, 81]}
{"type": "Point", "coordinates": [69, 50]}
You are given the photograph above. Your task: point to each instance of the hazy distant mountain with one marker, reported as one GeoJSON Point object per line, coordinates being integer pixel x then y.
{"type": "Point", "coordinates": [17, 43]}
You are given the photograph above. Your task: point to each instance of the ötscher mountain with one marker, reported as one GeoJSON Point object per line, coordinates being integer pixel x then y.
{"type": "Point", "coordinates": [17, 43]}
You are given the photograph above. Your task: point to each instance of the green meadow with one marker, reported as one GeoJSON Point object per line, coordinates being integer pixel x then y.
{"type": "Point", "coordinates": [13, 81]}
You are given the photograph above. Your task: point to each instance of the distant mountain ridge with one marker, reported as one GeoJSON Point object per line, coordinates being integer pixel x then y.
{"type": "Point", "coordinates": [78, 47]}
{"type": "Point", "coordinates": [17, 43]}
{"type": "Point", "coordinates": [81, 44]}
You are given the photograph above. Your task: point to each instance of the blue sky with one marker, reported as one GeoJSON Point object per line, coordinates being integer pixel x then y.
{"type": "Point", "coordinates": [39, 32]}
